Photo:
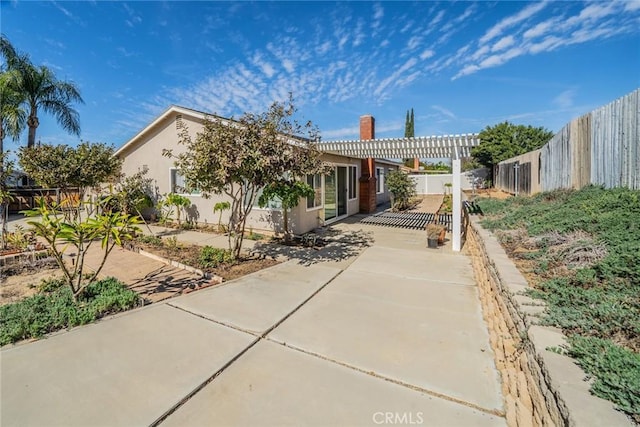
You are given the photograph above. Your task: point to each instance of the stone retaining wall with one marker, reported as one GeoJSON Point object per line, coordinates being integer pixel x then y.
{"type": "Point", "coordinates": [540, 387]}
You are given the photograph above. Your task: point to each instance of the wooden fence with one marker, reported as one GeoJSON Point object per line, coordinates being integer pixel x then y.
{"type": "Point", "coordinates": [601, 148]}
{"type": "Point", "coordinates": [520, 174]}
{"type": "Point", "coordinates": [27, 198]}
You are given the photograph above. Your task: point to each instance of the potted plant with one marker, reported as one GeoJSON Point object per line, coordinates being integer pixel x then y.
{"type": "Point", "coordinates": [435, 234]}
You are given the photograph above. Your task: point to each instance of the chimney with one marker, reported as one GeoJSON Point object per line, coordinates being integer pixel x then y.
{"type": "Point", "coordinates": [367, 127]}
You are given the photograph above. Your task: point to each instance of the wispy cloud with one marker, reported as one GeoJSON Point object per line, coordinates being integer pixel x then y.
{"type": "Point", "coordinates": [68, 14]}
{"type": "Point", "coordinates": [444, 111]}
{"type": "Point", "coordinates": [134, 17]}
{"type": "Point", "coordinates": [511, 21]}
{"type": "Point", "coordinates": [521, 35]}
{"type": "Point", "coordinates": [565, 99]}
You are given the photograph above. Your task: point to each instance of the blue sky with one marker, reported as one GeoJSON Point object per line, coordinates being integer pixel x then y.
{"type": "Point", "coordinates": [461, 66]}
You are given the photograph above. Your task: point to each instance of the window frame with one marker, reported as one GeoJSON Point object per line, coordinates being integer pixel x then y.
{"type": "Point", "coordinates": [352, 179]}
{"type": "Point", "coordinates": [319, 197]}
{"type": "Point", "coordinates": [173, 174]}
{"type": "Point", "coordinates": [379, 179]}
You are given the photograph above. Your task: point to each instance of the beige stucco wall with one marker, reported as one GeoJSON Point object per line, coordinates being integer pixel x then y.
{"type": "Point", "coordinates": [147, 151]}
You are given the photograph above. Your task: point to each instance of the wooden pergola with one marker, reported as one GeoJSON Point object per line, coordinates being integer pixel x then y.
{"type": "Point", "coordinates": [448, 146]}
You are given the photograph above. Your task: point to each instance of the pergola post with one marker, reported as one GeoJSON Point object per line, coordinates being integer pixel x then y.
{"type": "Point", "coordinates": [456, 229]}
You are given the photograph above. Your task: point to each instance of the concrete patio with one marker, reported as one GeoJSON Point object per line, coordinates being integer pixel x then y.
{"type": "Point", "coordinates": [394, 333]}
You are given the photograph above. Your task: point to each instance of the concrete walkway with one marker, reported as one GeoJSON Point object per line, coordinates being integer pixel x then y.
{"type": "Point", "coordinates": [391, 336]}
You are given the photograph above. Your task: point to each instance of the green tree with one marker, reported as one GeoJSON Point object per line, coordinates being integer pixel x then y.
{"type": "Point", "coordinates": [12, 123]}
{"type": "Point", "coordinates": [60, 166]}
{"type": "Point", "coordinates": [13, 117]}
{"type": "Point", "coordinates": [409, 125]}
{"type": "Point", "coordinates": [402, 188]}
{"type": "Point", "coordinates": [506, 140]}
{"type": "Point", "coordinates": [77, 236]}
{"type": "Point", "coordinates": [219, 207]}
{"type": "Point", "coordinates": [288, 192]}
{"type": "Point", "coordinates": [6, 168]}
{"type": "Point", "coordinates": [409, 132]}
{"type": "Point", "coordinates": [238, 158]}
{"type": "Point", "coordinates": [39, 89]}
{"type": "Point", "coordinates": [177, 202]}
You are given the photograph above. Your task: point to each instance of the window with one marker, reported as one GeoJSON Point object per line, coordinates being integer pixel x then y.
{"type": "Point", "coordinates": [315, 182]}
{"type": "Point", "coordinates": [178, 184]}
{"type": "Point", "coordinates": [380, 180]}
{"type": "Point", "coordinates": [274, 203]}
{"type": "Point", "coordinates": [353, 182]}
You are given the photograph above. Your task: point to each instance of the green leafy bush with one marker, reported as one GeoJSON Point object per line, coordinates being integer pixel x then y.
{"type": "Point", "coordinates": [402, 188]}
{"type": "Point", "coordinates": [211, 257]}
{"type": "Point", "coordinates": [616, 371]}
{"type": "Point", "coordinates": [585, 249]}
{"type": "Point", "coordinates": [54, 308]}
{"type": "Point", "coordinates": [151, 240]}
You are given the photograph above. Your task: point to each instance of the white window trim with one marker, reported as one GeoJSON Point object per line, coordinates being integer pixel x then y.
{"type": "Point", "coordinates": [171, 185]}
{"type": "Point", "coordinates": [380, 180]}
{"type": "Point", "coordinates": [321, 205]}
{"type": "Point", "coordinates": [356, 189]}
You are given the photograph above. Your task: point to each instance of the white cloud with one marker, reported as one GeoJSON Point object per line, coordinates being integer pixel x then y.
{"type": "Point", "coordinates": [540, 29]}
{"type": "Point", "coordinates": [436, 19]}
{"type": "Point", "coordinates": [632, 5]}
{"type": "Point", "coordinates": [265, 66]}
{"type": "Point", "coordinates": [444, 111]}
{"type": "Point", "coordinates": [546, 45]}
{"type": "Point", "coordinates": [510, 21]}
{"type": "Point", "coordinates": [565, 99]}
{"type": "Point", "coordinates": [414, 42]}
{"type": "Point", "coordinates": [288, 65]}
{"type": "Point", "coordinates": [426, 54]}
{"type": "Point", "coordinates": [503, 43]}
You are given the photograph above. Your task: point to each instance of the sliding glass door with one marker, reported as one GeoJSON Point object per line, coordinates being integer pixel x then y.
{"type": "Point", "coordinates": [335, 193]}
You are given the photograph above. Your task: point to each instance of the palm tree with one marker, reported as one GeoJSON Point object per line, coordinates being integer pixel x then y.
{"type": "Point", "coordinates": [12, 115]}
{"type": "Point", "coordinates": [13, 118]}
{"type": "Point", "coordinates": [42, 90]}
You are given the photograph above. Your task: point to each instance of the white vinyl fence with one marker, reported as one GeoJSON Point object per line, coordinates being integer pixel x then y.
{"type": "Point", "coordinates": [435, 184]}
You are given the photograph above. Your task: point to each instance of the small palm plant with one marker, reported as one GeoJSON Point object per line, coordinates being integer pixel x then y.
{"type": "Point", "coordinates": [219, 207]}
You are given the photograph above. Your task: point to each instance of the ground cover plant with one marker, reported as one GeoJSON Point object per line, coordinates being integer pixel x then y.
{"type": "Point", "coordinates": [218, 261]}
{"type": "Point", "coordinates": [581, 251]}
{"type": "Point", "coordinates": [54, 308]}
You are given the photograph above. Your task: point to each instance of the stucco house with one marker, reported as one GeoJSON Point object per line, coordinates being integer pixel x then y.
{"type": "Point", "coordinates": [338, 194]}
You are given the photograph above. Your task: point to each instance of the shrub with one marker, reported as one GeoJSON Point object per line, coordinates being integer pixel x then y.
{"type": "Point", "coordinates": [585, 250]}
{"type": "Point", "coordinates": [54, 308]}
{"type": "Point", "coordinates": [402, 188]}
{"type": "Point", "coordinates": [616, 371]}
{"type": "Point", "coordinates": [211, 257]}
{"type": "Point", "coordinates": [151, 240]}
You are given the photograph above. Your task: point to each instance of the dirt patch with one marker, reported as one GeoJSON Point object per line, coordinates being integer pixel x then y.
{"type": "Point", "coordinates": [430, 203]}
{"type": "Point", "coordinates": [491, 193]}
{"type": "Point", "coordinates": [244, 267]}
{"type": "Point", "coordinates": [16, 287]}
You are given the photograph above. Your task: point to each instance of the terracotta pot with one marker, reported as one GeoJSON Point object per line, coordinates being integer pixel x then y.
{"type": "Point", "coordinates": [441, 237]}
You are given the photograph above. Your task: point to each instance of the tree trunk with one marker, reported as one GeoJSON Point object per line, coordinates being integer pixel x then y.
{"type": "Point", "coordinates": [4, 208]}
{"type": "Point", "coordinates": [33, 123]}
{"type": "Point", "coordinates": [285, 218]}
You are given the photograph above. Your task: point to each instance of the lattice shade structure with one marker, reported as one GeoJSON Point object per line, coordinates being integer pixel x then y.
{"type": "Point", "coordinates": [447, 146]}
{"type": "Point", "coordinates": [402, 148]}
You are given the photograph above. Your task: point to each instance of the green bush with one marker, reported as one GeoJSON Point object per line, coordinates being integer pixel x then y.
{"type": "Point", "coordinates": [151, 240]}
{"type": "Point", "coordinates": [211, 257]}
{"type": "Point", "coordinates": [616, 371]}
{"type": "Point", "coordinates": [54, 308]}
{"type": "Point", "coordinates": [402, 188]}
{"type": "Point", "coordinates": [591, 283]}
